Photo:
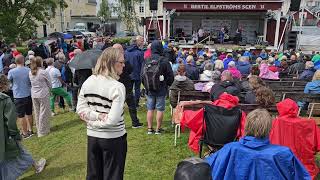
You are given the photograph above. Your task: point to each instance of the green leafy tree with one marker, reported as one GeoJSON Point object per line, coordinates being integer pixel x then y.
{"type": "Point", "coordinates": [18, 18]}
{"type": "Point", "coordinates": [127, 14]}
{"type": "Point", "coordinates": [105, 11]}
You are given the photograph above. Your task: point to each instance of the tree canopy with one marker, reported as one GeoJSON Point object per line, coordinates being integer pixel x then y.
{"type": "Point", "coordinates": [105, 11]}
{"type": "Point", "coordinates": [18, 18]}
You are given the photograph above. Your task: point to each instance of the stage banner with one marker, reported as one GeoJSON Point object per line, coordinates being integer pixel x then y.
{"type": "Point", "coordinates": [222, 6]}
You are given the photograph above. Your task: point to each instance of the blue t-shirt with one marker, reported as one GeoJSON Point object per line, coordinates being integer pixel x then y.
{"type": "Point", "coordinates": [21, 85]}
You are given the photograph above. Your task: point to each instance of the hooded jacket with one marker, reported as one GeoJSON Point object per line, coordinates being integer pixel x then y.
{"type": "Point", "coordinates": [226, 62]}
{"type": "Point", "coordinates": [192, 72]}
{"type": "Point", "coordinates": [180, 83]}
{"type": "Point", "coordinates": [300, 135]}
{"type": "Point", "coordinates": [206, 75]}
{"type": "Point", "coordinates": [235, 72]}
{"type": "Point", "coordinates": [265, 73]}
{"type": "Point", "coordinates": [9, 132]}
{"type": "Point", "coordinates": [194, 120]}
{"type": "Point", "coordinates": [134, 56]}
{"type": "Point", "coordinates": [244, 67]}
{"type": "Point", "coordinates": [307, 74]}
{"type": "Point", "coordinates": [165, 69]}
{"type": "Point", "coordinates": [255, 159]}
{"type": "Point", "coordinates": [225, 86]}
{"type": "Point", "coordinates": [312, 87]}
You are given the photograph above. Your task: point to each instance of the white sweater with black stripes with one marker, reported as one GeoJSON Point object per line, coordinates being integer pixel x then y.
{"type": "Point", "coordinates": [100, 94]}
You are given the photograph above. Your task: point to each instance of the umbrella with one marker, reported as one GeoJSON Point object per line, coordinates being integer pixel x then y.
{"type": "Point", "coordinates": [56, 35]}
{"type": "Point", "coordinates": [86, 60]}
{"type": "Point", "coordinates": [75, 33]}
{"type": "Point", "coordinates": [67, 36]}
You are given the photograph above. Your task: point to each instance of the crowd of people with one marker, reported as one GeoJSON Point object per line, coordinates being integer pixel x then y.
{"type": "Point", "coordinates": [37, 81]}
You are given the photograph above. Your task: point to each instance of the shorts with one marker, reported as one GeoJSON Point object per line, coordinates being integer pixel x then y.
{"type": "Point", "coordinates": [156, 102]}
{"type": "Point", "coordinates": [23, 106]}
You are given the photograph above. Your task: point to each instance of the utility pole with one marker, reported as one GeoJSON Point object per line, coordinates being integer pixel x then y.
{"type": "Point", "coordinates": [61, 15]}
{"type": "Point", "coordinates": [302, 5]}
{"type": "Point", "coordinates": [145, 21]}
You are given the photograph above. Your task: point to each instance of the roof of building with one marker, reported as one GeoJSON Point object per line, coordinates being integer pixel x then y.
{"type": "Point", "coordinates": [315, 9]}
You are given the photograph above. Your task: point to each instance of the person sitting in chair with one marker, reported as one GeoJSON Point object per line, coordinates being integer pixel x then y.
{"type": "Point", "coordinates": [253, 157]}
{"type": "Point", "coordinates": [301, 135]}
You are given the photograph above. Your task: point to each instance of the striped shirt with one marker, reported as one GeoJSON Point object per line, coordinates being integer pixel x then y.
{"type": "Point", "coordinates": [100, 94]}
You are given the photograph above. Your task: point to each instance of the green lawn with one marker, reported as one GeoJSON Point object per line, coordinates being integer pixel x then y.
{"type": "Point", "coordinates": [149, 156]}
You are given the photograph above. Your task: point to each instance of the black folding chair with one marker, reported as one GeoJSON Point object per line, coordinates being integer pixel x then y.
{"type": "Point", "coordinates": [221, 127]}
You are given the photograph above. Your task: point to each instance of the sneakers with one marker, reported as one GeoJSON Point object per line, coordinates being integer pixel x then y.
{"type": "Point", "coordinates": [30, 133]}
{"type": "Point", "coordinates": [159, 131]}
{"type": "Point", "coordinates": [26, 136]}
{"type": "Point", "coordinates": [150, 131]}
{"type": "Point", "coordinates": [138, 125]}
{"type": "Point", "coordinates": [39, 166]}
{"type": "Point", "coordinates": [53, 114]}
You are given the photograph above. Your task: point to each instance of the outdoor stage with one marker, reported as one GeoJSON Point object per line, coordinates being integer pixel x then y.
{"type": "Point", "coordinates": [222, 46]}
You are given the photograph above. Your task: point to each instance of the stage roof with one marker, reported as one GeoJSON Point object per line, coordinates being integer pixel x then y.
{"type": "Point", "coordinates": [219, 5]}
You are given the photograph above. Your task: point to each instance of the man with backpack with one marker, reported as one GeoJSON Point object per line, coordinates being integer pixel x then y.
{"type": "Point", "coordinates": [157, 75]}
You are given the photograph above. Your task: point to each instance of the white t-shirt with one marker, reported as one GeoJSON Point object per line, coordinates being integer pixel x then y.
{"type": "Point", "coordinates": [54, 74]}
{"type": "Point", "coordinates": [200, 33]}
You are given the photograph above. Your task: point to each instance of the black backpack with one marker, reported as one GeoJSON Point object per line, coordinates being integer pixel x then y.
{"type": "Point", "coordinates": [151, 75]}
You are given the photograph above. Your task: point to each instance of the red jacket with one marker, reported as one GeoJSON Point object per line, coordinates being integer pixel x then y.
{"type": "Point", "coordinates": [273, 68]}
{"type": "Point", "coordinates": [194, 120]}
{"type": "Point", "coordinates": [147, 54]}
{"type": "Point", "coordinates": [301, 135]}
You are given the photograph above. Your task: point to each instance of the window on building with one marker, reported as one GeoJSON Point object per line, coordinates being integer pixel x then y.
{"type": "Point", "coordinates": [92, 1]}
{"type": "Point", "coordinates": [68, 25]}
{"type": "Point", "coordinates": [51, 25]}
{"type": "Point", "coordinates": [141, 8]}
{"type": "Point", "coordinates": [70, 12]}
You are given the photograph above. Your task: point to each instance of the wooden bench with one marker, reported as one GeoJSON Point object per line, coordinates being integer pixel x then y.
{"type": "Point", "coordinates": [247, 108]}
{"type": "Point", "coordinates": [193, 96]}
{"type": "Point", "coordinates": [286, 83]}
{"type": "Point", "coordinates": [312, 99]}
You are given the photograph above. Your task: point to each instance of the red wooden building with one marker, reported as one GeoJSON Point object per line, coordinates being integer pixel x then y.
{"type": "Point", "coordinates": [212, 15]}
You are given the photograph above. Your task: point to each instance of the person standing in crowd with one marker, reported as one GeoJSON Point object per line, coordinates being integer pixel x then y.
{"type": "Point", "coordinates": [101, 106]}
{"type": "Point", "coordinates": [126, 81]}
{"type": "Point", "coordinates": [57, 89]}
{"type": "Point", "coordinates": [135, 56]}
{"type": "Point", "coordinates": [159, 69]}
{"type": "Point", "coordinates": [14, 158]}
{"type": "Point", "coordinates": [200, 34]}
{"type": "Point", "coordinates": [40, 93]}
{"type": "Point", "coordinates": [21, 87]}
{"type": "Point", "coordinates": [221, 35]}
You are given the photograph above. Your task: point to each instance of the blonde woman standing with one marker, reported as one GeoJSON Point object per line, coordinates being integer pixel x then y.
{"type": "Point", "coordinates": [100, 105]}
{"type": "Point", "coordinates": [40, 93]}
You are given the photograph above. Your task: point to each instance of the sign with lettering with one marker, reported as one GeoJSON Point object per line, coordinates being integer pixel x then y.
{"type": "Point", "coordinates": [222, 6]}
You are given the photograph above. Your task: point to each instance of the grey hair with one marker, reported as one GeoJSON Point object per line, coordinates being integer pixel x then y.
{"type": "Point", "coordinates": [49, 61]}
{"type": "Point", "coordinates": [208, 66]}
{"type": "Point", "coordinates": [258, 124]}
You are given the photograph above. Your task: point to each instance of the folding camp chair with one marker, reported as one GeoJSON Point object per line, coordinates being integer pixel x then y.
{"type": "Point", "coordinates": [220, 126]}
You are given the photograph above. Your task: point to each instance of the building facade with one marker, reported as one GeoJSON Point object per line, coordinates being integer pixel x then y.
{"type": "Point", "coordinates": [78, 11]}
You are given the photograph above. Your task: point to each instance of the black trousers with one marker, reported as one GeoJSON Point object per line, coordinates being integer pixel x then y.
{"type": "Point", "coordinates": [106, 158]}
{"type": "Point", "coordinates": [131, 102]}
